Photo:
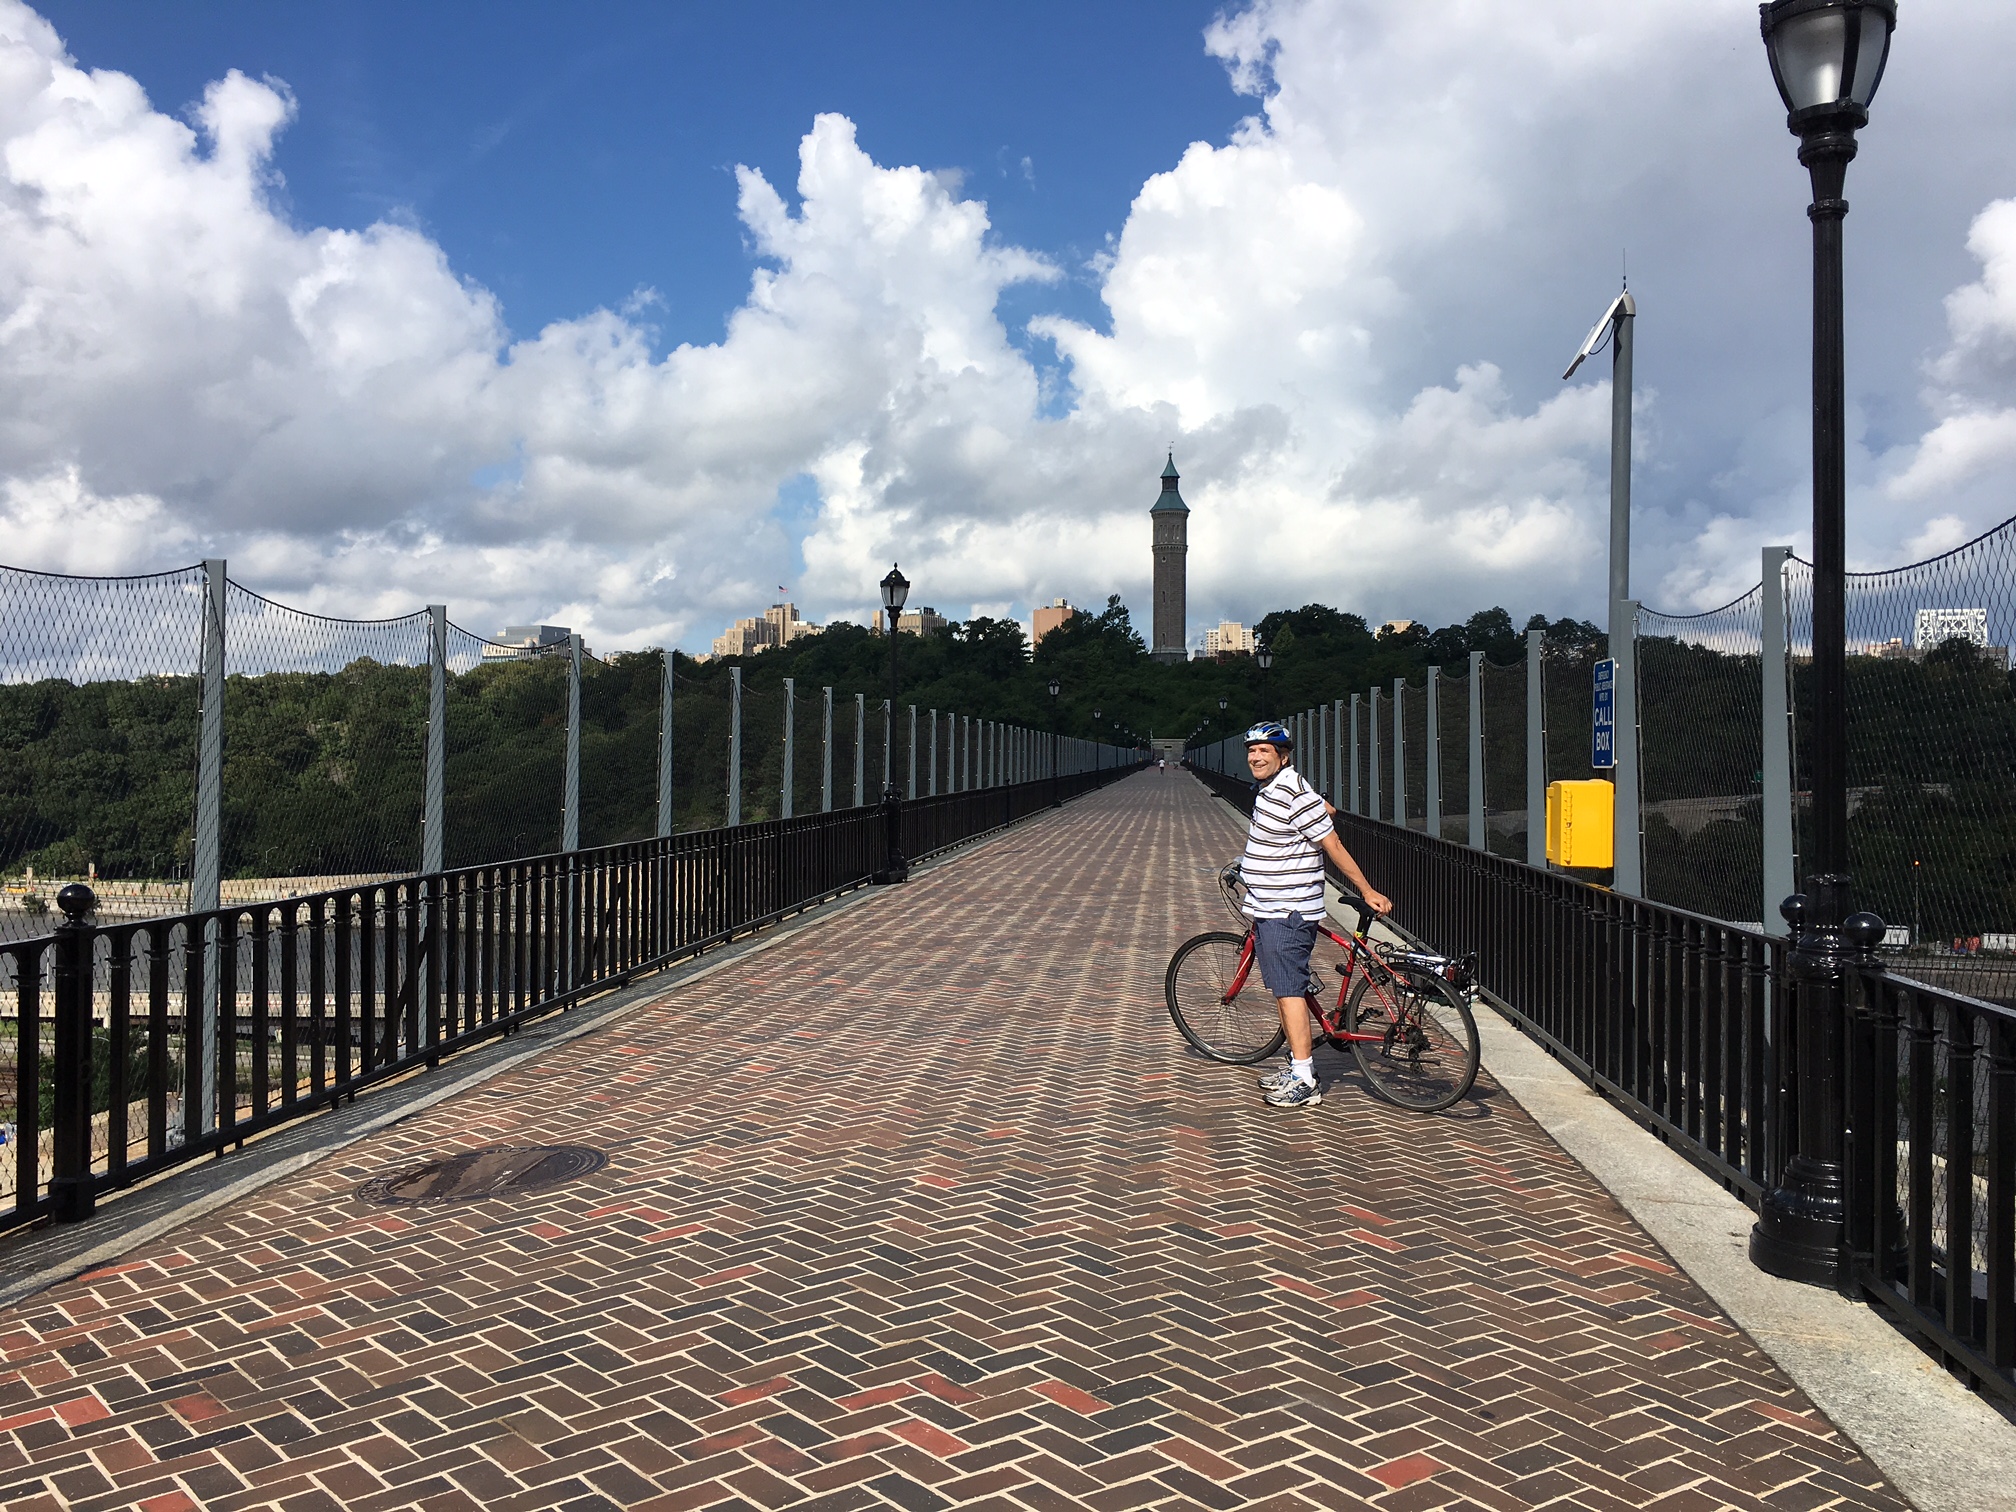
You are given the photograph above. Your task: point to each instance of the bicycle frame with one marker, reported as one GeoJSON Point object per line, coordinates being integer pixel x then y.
{"type": "Point", "coordinates": [1357, 957]}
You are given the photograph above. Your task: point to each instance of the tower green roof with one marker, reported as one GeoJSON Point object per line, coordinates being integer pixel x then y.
{"type": "Point", "coordinates": [1171, 501]}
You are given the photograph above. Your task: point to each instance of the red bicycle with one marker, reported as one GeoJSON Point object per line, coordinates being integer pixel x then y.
{"type": "Point", "coordinates": [1404, 1013]}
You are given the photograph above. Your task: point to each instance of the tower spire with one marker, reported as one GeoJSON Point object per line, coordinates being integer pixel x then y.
{"type": "Point", "coordinates": [1170, 518]}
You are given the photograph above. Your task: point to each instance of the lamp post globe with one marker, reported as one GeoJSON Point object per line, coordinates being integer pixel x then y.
{"type": "Point", "coordinates": [1827, 57]}
{"type": "Point", "coordinates": [895, 868]}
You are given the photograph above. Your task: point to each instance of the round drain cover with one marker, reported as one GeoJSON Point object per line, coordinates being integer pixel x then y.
{"type": "Point", "coordinates": [495, 1171]}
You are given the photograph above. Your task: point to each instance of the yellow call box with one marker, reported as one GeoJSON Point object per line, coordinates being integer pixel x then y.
{"type": "Point", "coordinates": [1581, 823]}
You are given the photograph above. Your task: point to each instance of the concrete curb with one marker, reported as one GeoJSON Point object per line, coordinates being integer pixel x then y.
{"type": "Point", "coordinates": [1942, 1446]}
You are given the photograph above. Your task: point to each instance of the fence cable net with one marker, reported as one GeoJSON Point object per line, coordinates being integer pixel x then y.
{"type": "Point", "coordinates": [1701, 757]}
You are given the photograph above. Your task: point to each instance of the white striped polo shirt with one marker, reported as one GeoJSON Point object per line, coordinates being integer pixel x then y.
{"type": "Point", "coordinates": [1283, 864]}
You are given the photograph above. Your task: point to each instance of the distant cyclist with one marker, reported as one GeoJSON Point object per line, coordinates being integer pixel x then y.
{"type": "Point", "coordinates": [1283, 873]}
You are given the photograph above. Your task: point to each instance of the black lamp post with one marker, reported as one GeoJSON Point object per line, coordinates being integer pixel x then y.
{"type": "Point", "coordinates": [1827, 58]}
{"type": "Point", "coordinates": [895, 589]}
{"type": "Point", "coordinates": [1056, 687]}
{"type": "Point", "coordinates": [1098, 753]}
{"type": "Point", "coordinates": [1264, 655]}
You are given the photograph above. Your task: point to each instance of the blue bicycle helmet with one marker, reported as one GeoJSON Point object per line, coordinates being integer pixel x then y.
{"type": "Point", "coordinates": [1270, 732]}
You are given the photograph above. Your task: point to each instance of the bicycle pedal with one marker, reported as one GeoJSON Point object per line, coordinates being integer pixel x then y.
{"type": "Point", "coordinates": [1340, 968]}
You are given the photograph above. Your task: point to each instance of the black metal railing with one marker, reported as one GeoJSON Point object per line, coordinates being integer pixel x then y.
{"type": "Point", "coordinates": [139, 1045]}
{"type": "Point", "coordinates": [1688, 1023]}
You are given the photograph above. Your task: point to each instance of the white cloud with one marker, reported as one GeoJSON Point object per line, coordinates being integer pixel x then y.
{"type": "Point", "coordinates": [1347, 319]}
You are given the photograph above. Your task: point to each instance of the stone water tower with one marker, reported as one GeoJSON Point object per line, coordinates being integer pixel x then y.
{"type": "Point", "coordinates": [1171, 518]}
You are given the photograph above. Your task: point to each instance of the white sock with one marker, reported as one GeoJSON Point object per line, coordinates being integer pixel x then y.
{"type": "Point", "coordinates": [1305, 1070]}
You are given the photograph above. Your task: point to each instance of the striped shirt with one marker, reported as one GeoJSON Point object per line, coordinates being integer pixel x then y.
{"type": "Point", "coordinates": [1283, 864]}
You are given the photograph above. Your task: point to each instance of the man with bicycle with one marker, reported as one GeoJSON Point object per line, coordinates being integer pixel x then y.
{"type": "Point", "coordinates": [1282, 870]}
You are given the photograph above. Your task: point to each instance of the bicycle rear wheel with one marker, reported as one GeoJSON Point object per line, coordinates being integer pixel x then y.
{"type": "Point", "coordinates": [1426, 1055]}
{"type": "Point", "coordinates": [1236, 1028]}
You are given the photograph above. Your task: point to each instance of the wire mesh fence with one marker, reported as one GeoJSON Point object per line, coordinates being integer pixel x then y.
{"type": "Point", "coordinates": [1413, 708]}
{"type": "Point", "coordinates": [1931, 750]}
{"type": "Point", "coordinates": [1505, 816]}
{"type": "Point", "coordinates": [1452, 728]}
{"type": "Point", "coordinates": [1701, 759]}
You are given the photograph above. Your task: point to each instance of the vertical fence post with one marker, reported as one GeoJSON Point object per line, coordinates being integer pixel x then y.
{"type": "Point", "coordinates": [206, 860]}
{"type": "Point", "coordinates": [860, 749]}
{"type": "Point", "coordinates": [70, 1195]}
{"type": "Point", "coordinates": [734, 746]}
{"type": "Point", "coordinates": [962, 774]}
{"type": "Point", "coordinates": [931, 783]}
{"type": "Point", "coordinates": [570, 798]}
{"type": "Point", "coordinates": [1628, 825]}
{"type": "Point", "coordinates": [826, 751]}
{"type": "Point", "coordinates": [888, 742]}
{"type": "Point", "coordinates": [912, 789]}
{"type": "Point", "coordinates": [790, 747]}
{"type": "Point", "coordinates": [1337, 752]}
{"type": "Point", "coordinates": [1372, 752]}
{"type": "Point", "coordinates": [434, 787]}
{"type": "Point", "coordinates": [1352, 789]}
{"type": "Point", "coordinates": [1400, 752]}
{"type": "Point", "coordinates": [1536, 753]}
{"type": "Point", "coordinates": [205, 863]}
{"type": "Point", "coordinates": [1477, 831]}
{"type": "Point", "coordinates": [1432, 754]}
{"type": "Point", "coordinates": [1780, 853]}
{"type": "Point", "coordinates": [665, 745]}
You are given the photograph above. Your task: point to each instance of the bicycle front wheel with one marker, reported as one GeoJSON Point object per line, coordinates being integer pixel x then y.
{"type": "Point", "coordinates": [1239, 1028]}
{"type": "Point", "coordinates": [1426, 1053]}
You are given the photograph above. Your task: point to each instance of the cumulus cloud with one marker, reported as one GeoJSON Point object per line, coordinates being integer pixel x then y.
{"type": "Point", "coordinates": [1346, 319]}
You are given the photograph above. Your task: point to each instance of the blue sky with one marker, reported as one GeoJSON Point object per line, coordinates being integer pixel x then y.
{"type": "Point", "coordinates": [565, 166]}
{"type": "Point", "coordinates": [349, 294]}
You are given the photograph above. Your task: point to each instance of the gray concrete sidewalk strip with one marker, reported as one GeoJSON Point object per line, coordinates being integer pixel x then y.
{"type": "Point", "coordinates": [1940, 1444]}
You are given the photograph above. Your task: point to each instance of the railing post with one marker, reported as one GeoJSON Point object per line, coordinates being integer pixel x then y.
{"type": "Point", "coordinates": [70, 1191]}
{"type": "Point", "coordinates": [665, 745]}
{"type": "Point", "coordinates": [734, 746]}
{"type": "Point", "coordinates": [1432, 755]}
{"type": "Point", "coordinates": [1780, 855]}
{"type": "Point", "coordinates": [1399, 752]}
{"type": "Point", "coordinates": [1628, 824]}
{"type": "Point", "coordinates": [570, 801]}
{"type": "Point", "coordinates": [912, 789]}
{"type": "Point", "coordinates": [790, 749]}
{"type": "Point", "coordinates": [1337, 752]}
{"type": "Point", "coordinates": [931, 787]}
{"type": "Point", "coordinates": [860, 749]}
{"type": "Point", "coordinates": [1536, 753]}
{"type": "Point", "coordinates": [1478, 839]}
{"type": "Point", "coordinates": [826, 751]}
{"type": "Point", "coordinates": [433, 842]}
{"type": "Point", "coordinates": [206, 860]}
{"type": "Point", "coordinates": [1372, 752]}
{"type": "Point", "coordinates": [1353, 784]}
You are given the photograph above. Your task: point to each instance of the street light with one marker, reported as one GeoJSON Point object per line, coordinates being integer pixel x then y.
{"type": "Point", "coordinates": [1827, 58]}
{"type": "Point", "coordinates": [1264, 655]}
{"type": "Point", "coordinates": [895, 589]}
{"type": "Point", "coordinates": [1098, 751]}
{"type": "Point", "coordinates": [1056, 687]}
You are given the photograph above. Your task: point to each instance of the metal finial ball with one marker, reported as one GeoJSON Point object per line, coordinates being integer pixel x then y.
{"type": "Point", "coordinates": [76, 901]}
{"type": "Point", "coordinates": [1864, 931]}
{"type": "Point", "coordinates": [1793, 910]}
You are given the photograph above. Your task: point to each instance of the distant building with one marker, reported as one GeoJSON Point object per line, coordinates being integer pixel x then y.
{"type": "Point", "coordinates": [1048, 618]}
{"type": "Point", "coordinates": [1935, 627]}
{"type": "Point", "coordinates": [1230, 639]}
{"type": "Point", "coordinates": [925, 621]}
{"type": "Point", "coordinates": [1396, 627]}
{"type": "Point", "coordinates": [520, 641]}
{"type": "Point", "coordinates": [779, 626]}
{"type": "Point", "coordinates": [1170, 520]}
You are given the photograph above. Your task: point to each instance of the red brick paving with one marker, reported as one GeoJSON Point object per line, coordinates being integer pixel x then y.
{"type": "Point", "coordinates": [926, 1207]}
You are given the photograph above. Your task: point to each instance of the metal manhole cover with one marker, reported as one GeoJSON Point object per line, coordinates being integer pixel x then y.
{"type": "Point", "coordinates": [495, 1171]}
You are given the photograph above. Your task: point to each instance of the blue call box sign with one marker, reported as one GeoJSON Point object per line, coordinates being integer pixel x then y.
{"type": "Point", "coordinates": [1603, 724]}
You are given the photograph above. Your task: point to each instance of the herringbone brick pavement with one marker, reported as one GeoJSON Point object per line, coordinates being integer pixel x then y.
{"type": "Point", "coordinates": [926, 1207]}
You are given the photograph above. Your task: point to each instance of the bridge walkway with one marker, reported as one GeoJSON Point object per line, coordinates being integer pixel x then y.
{"type": "Point", "coordinates": [926, 1205]}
